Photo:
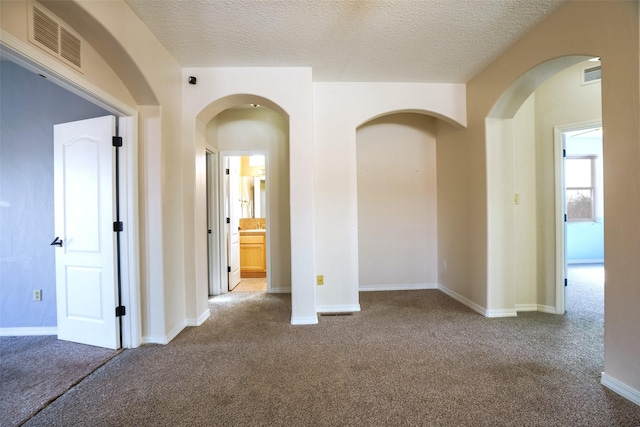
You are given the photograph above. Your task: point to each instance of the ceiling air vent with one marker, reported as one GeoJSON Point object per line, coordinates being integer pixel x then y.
{"type": "Point", "coordinates": [48, 32]}
{"type": "Point", "coordinates": [591, 74]}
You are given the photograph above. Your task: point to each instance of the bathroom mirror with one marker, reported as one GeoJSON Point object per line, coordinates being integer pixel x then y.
{"type": "Point", "coordinates": [253, 186]}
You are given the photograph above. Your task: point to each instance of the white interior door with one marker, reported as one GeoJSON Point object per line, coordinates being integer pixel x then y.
{"type": "Point", "coordinates": [86, 289]}
{"type": "Point", "coordinates": [234, 220]}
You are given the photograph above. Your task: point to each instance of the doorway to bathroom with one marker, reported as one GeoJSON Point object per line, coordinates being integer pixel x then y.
{"type": "Point", "coordinates": [246, 188]}
{"type": "Point", "coordinates": [237, 221]}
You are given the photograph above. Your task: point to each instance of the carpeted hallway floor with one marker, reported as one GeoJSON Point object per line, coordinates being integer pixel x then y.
{"type": "Point", "coordinates": [409, 358]}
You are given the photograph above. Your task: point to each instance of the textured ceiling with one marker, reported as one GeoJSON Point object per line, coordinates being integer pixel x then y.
{"type": "Point", "coordinates": [344, 40]}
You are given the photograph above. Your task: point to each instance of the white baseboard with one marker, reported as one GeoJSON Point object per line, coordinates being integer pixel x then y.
{"type": "Point", "coordinates": [338, 308]}
{"type": "Point", "coordinates": [280, 290]}
{"type": "Point", "coordinates": [536, 307]}
{"type": "Point", "coordinates": [167, 338]}
{"type": "Point", "coordinates": [502, 312]}
{"type": "Point", "coordinates": [29, 331]}
{"type": "Point", "coordinates": [200, 320]}
{"type": "Point", "coordinates": [547, 309]}
{"type": "Point", "coordinates": [304, 320]}
{"type": "Point", "coordinates": [398, 287]}
{"type": "Point", "coordinates": [456, 296]}
{"type": "Point", "coordinates": [620, 388]}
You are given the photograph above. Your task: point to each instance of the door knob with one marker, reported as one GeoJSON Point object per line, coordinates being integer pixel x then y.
{"type": "Point", "coordinates": [57, 242]}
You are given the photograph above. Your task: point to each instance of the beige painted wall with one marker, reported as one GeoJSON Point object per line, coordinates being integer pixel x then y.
{"type": "Point", "coordinates": [524, 177]}
{"type": "Point", "coordinates": [339, 109]}
{"type": "Point", "coordinates": [289, 91]}
{"type": "Point", "coordinates": [605, 29]}
{"type": "Point", "coordinates": [263, 129]}
{"type": "Point", "coordinates": [397, 200]}
{"type": "Point", "coordinates": [561, 100]}
{"type": "Point", "coordinates": [14, 20]}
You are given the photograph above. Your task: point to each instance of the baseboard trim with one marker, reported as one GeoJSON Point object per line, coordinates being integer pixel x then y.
{"type": "Point", "coordinates": [465, 301]}
{"type": "Point", "coordinates": [280, 291]}
{"type": "Point", "coordinates": [28, 331]}
{"type": "Point", "coordinates": [502, 312]}
{"type": "Point", "coordinates": [200, 320]}
{"type": "Point", "coordinates": [536, 307]}
{"type": "Point", "coordinates": [398, 287]}
{"type": "Point", "coordinates": [620, 388]}
{"type": "Point", "coordinates": [304, 320]}
{"type": "Point", "coordinates": [167, 338]}
{"type": "Point", "coordinates": [547, 309]}
{"type": "Point", "coordinates": [338, 308]}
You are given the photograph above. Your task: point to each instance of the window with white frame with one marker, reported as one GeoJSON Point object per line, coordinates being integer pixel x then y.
{"type": "Point", "coordinates": [580, 189]}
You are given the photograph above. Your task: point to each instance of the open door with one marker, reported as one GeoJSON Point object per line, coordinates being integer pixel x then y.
{"type": "Point", "coordinates": [212, 225]}
{"type": "Point", "coordinates": [233, 219]}
{"type": "Point", "coordinates": [86, 288]}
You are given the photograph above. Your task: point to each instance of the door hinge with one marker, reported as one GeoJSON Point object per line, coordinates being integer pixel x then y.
{"type": "Point", "coordinates": [118, 226]}
{"type": "Point", "coordinates": [228, 220]}
{"type": "Point", "coordinates": [209, 231]}
{"type": "Point", "coordinates": [226, 171]}
{"type": "Point", "coordinates": [120, 311]}
{"type": "Point", "coordinates": [117, 141]}
{"type": "Point", "coordinates": [565, 217]}
{"type": "Point", "coordinates": [564, 152]}
{"type": "Point", "coordinates": [565, 282]}
{"type": "Point", "coordinates": [229, 269]}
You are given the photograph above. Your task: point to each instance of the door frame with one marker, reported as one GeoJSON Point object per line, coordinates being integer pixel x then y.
{"type": "Point", "coordinates": [213, 219]}
{"type": "Point", "coordinates": [37, 61]}
{"type": "Point", "coordinates": [561, 227]}
{"type": "Point", "coordinates": [222, 239]}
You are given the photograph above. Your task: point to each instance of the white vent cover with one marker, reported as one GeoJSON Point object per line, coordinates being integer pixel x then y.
{"type": "Point", "coordinates": [591, 74]}
{"type": "Point", "coordinates": [48, 32]}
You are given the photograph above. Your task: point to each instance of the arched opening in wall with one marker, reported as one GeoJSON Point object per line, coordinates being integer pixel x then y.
{"type": "Point", "coordinates": [397, 203]}
{"type": "Point", "coordinates": [527, 189]}
{"type": "Point", "coordinates": [249, 244]}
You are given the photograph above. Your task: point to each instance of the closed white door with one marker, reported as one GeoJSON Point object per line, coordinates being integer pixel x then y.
{"type": "Point", "coordinates": [86, 289]}
{"type": "Point", "coordinates": [235, 207]}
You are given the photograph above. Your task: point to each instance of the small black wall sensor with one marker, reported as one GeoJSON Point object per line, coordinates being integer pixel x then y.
{"type": "Point", "coordinates": [192, 80]}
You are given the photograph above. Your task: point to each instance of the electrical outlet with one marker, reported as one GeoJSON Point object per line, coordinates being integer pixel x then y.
{"type": "Point", "coordinates": [320, 280]}
{"type": "Point", "coordinates": [37, 294]}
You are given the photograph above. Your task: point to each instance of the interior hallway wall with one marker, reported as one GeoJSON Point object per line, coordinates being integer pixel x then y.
{"type": "Point", "coordinates": [606, 29]}
{"type": "Point", "coordinates": [397, 203]}
{"type": "Point", "coordinates": [29, 107]}
{"type": "Point", "coordinates": [524, 183]}
{"type": "Point", "coordinates": [561, 100]}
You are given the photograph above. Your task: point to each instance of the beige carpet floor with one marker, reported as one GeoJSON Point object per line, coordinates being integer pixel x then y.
{"type": "Point", "coordinates": [415, 358]}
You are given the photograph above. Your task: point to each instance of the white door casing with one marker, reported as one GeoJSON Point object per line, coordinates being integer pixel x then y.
{"type": "Point", "coordinates": [84, 198]}
{"type": "Point", "coordinates": [561, 225]}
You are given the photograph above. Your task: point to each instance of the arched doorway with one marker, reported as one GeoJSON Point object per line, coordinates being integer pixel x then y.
{"type": "Point", "coordinates": [226, 131]}
{"type": "Point", "coordinates": [522, 232]}
{"type": "Point", "coordinates": [243, 132]}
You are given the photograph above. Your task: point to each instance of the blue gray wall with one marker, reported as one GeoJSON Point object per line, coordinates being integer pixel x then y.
{"type": "Point", "coordinates": [29, 107]}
